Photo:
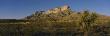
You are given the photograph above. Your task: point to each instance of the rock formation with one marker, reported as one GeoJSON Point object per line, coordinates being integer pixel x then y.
{"type": "Point", "coordinates": [58, 9]}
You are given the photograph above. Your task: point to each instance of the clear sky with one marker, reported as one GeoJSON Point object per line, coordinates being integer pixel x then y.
{"type": "Point", "coordinates": [20, 8]}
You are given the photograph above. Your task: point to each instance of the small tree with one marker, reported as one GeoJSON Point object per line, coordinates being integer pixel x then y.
{"type": "Point", "coordinates": [87, 20]}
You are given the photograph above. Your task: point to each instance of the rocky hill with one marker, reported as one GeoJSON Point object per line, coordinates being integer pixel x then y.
{"type": "Point", "coordinates": [64, 20]}
{"type": "Point", "coordinates": [64, 14]}
{"type": "Point", "coordinates": [59, 21]}
{"type": "Point", "coordinates": [55, 13]}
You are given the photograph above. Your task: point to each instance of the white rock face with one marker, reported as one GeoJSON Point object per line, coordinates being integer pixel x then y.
{"type": "Point", "coordinates": [66, 7]}
{"type": "Point", "coordinates": [58, 9]}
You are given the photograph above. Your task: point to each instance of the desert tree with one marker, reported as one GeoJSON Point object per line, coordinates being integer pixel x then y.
{"type": "Point", "coordinates": [87, 19]}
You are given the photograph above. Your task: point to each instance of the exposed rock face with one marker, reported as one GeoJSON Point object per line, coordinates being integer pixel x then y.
{"type": "Point", "coordinates": [66, 7]}
{"type": "Point", "coordinates": [59, 9]}
{"type": "Point", "coordinates": [55, 12]}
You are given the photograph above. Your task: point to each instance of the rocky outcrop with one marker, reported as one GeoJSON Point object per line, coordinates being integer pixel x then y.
{"type": "Point", "coordinates": [55, 12]}
{"type": "Point", "coordinates": [58, 9]}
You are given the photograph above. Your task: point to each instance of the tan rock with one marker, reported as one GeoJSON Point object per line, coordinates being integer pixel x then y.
{"type": "Point", "coordinates": [58, 9]}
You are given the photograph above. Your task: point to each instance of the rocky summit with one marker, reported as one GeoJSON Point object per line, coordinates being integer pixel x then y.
{"type": "Point", "coordinates": [55, 12]}
{"type": "Point", "coordinates": [59, 9]}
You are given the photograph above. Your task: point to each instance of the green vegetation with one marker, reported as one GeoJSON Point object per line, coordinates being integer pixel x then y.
{"type": "Point", "coordinates": [63, 23]}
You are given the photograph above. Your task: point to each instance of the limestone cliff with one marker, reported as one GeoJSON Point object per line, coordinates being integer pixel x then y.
{"type": "Point", "coordinates": [58, 9]}
{"type": "Point", "coordinates": [55, 12]}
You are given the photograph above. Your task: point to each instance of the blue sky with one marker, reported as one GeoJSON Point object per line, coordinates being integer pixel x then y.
{"type": "Point", "coordinates": [10, 9]}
